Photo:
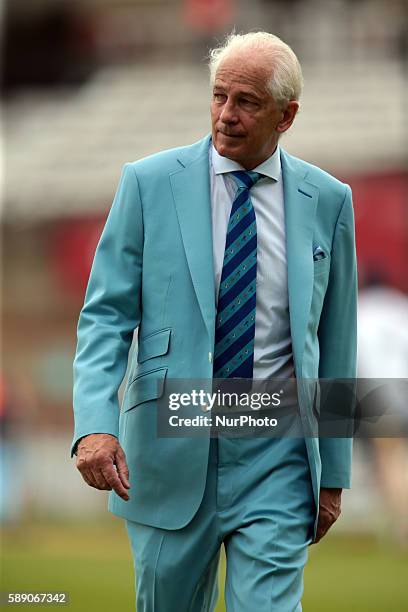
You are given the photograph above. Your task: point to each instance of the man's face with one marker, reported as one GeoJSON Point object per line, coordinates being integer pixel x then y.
{"type": "Point", "coordinates": [246, 121]}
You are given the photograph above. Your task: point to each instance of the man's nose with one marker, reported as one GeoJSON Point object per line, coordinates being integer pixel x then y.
{"type": "Point", "coordinates": [228, 113]}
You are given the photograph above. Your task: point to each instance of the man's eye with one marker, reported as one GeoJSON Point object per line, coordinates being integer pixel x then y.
{"type": "Point", "coordinates": [249, 103]}
{"type": "Point", "coordinates": [218, 97]}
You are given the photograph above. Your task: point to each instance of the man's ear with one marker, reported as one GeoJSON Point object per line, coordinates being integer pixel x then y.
{"type": "Point", "coordinates": [288, 116]}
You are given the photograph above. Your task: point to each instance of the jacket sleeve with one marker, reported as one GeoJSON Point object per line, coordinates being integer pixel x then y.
{"type": "Point", "coordinates": [338, 338]}
{"type": "Point", "coordinates": [110, 314]}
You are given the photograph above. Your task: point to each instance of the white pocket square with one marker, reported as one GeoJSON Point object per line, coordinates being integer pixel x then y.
{"type": "Point", "coordinates": [318, 253]}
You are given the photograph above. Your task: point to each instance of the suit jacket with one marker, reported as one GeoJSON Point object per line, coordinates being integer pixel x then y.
{"type": "Point", "coordinates": [153, 270]}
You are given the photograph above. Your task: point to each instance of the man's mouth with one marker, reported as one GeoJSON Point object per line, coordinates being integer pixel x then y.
{"type": "Point", "coordinates": [231, 135]}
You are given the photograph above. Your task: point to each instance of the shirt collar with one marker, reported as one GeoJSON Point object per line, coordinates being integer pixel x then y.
{"type": "Point", "coordinates": [271, 167]}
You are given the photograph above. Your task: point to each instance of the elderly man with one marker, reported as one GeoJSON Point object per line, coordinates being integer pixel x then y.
{"type": "Point", "coordinates": [234, 260]}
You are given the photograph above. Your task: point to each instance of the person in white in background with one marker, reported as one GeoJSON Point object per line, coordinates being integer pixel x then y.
{"type": "Point", "coordinates": [383, 353]}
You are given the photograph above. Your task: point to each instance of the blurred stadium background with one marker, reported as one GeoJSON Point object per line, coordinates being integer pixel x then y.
{"type": "Point", "coordinates": [87, 86]}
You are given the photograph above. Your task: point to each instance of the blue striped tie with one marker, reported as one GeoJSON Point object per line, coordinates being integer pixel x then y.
{"type": "Point", "coordinates": [235, 323]}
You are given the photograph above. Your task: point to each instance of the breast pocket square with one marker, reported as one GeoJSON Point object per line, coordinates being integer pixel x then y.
{"type": "Point", "coordinates": [318, 253]}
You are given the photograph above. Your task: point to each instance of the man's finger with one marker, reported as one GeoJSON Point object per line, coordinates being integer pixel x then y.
{"type": "Point", "coordinates": [321, 531]}
{"type": "Point", "coordinates": [327, 518]}
{"type": "Point", "coordinates": [91, 477]}
{"type": "Point", "coordinates": [122, 468]}
{"type": "Point", "coordinates": [318, 534]}
{"type": "Point", "coordinates": [85, 472]}
{"type": "Point", "coordinates": [88, 477]}
{"type": "Point", "coordinates": [100, 479]}
{"type": "Point", "coordinates": [114, 481]}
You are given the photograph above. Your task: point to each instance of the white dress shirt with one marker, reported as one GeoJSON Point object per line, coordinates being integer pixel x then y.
{"type": "Point", "coordinates": [273, 344]}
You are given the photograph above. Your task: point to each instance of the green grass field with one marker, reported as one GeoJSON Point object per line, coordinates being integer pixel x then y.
{"type": "Point", "coordinates": [94, 565]}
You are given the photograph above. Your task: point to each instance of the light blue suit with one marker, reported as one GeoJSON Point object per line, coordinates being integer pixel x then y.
{"type": "Point", "coordinates": [153, 270]}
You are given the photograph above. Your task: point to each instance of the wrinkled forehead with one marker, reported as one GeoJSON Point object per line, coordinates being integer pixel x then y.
{"type": "Point", "coordinates": [246, 78]}
{"type": "Point", "coordinates": [249, 70]}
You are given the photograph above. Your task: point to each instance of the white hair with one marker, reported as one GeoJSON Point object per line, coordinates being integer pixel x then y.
{"type": "Point", "coordinates": [286, 80]}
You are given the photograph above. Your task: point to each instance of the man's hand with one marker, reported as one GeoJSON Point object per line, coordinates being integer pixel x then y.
{"type": "Point", "coordinates": [97, 456]}
{"type": "Point", "coordinates": [329, 511]}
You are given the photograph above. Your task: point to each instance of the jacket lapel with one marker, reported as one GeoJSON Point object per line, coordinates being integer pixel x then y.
{"type": "Point", "coordinates": [191, 192]}
{"type": "Point", "coordinates": [300, 207]}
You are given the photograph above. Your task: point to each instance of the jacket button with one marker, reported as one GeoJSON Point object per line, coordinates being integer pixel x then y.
{"type": "Point", "coordinates": [210, 357]}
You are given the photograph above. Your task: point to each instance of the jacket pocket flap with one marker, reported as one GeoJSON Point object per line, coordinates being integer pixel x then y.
{"type": "Point", "coordinates": [145, 387]}
{"type": "Point", "coordinates": [153, 345]}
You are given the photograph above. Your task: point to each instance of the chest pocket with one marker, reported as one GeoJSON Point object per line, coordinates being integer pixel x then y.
{"type": "Point", "coordinates": [321, 265]}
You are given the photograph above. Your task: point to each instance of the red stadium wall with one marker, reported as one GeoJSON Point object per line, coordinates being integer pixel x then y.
{"type": "Point", "coordinates": [381, 215]}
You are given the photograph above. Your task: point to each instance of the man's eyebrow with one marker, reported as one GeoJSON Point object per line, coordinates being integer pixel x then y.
{"type": "Point", "coordinates": [247, 94]}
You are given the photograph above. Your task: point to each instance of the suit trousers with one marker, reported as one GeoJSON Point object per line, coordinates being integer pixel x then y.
{"type": "Point", "coordinates": [258, 502]}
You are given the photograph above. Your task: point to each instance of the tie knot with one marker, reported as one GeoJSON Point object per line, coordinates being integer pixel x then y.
{"type": "Point", "coordinates": [246, 179]}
